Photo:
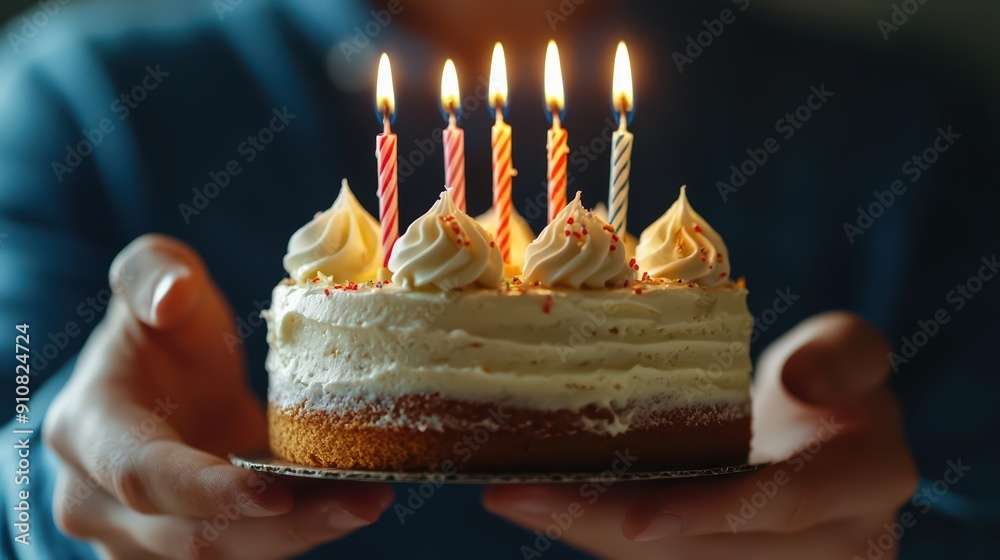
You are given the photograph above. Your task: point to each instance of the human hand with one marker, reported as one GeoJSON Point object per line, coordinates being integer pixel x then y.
{"type": "Point", "coordinates": [820, 404]}
{"type": "Point", "coordinates": [155, 401]}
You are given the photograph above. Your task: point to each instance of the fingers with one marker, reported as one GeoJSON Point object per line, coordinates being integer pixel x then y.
{"type": "Point", "coordinates": [139, 459]}
{"type": "Point", "coordinates": [843, 359]}
{"type": "Point", "coordinates": [843, 473]}
{"type": "Point", "coordinates": [162, 280]}
{"type": "Point", "coordinates": [847, 476]}
{"type": "Point", "coordinates": [323, 511]}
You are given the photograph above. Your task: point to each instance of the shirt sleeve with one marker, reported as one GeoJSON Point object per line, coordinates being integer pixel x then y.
{"type": "Point", "coordinates": [55, 228]}
{"type": "Point", "coordinates": [56, 242]}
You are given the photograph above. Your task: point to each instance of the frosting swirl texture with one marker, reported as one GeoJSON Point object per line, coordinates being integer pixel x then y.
{"type": "Point", "coordinates": [342, 242]}
{"type": "Point", "coordinates": [682, 246]}
{"type": "Point", "coordinates": [577, 249]}
{"type": "Point", "coordinates": [447, 249]}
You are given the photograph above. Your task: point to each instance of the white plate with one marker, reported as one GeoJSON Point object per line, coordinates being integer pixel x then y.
{"type": "Point", "coordinates": [264, 462]}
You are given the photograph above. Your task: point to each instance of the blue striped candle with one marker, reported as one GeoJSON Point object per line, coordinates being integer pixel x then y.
{"type": "Point", "coordinates": [621, 142]}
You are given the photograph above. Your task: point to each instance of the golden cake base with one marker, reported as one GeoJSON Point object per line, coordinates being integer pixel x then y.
{"type": "Point", "coordinates": [501, 439]}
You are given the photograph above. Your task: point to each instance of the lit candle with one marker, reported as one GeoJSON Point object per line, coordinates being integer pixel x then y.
{"type": "Point", "coordinates": [557, 138]}
{"type": "Point", "coordinates": [502, 168]}
{"type": "Point", "coordinates": [454, 137]}
{"type": "Point", "coordinates": [621, 142]}
{"type": "Point", "coordinates": [385, 152]}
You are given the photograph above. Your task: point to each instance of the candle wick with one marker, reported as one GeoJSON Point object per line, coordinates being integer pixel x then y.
{"type": "Point", "coordinates": [385, 121]}
{"type": "Point", "coordinates": [499, 111]}
{"type": "Point", "coordinates": [452, 119]}
{"type": "Point", "coordinates": [556, 122]}
{"type": "Point", "coordinates": [622, 112]}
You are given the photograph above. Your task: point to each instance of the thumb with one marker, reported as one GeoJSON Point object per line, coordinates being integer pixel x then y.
{"type": "Point", "coordinates": [842, 360]}
{"type": "Point", "coordinates": [162, 280]}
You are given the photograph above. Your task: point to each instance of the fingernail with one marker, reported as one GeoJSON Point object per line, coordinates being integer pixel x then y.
{"type": "Point", "coordinates": [163, 286]}
{"type": "Point", "coordinates": [340, 518]}
{"type": "Point", "coordinates": [662, 526]}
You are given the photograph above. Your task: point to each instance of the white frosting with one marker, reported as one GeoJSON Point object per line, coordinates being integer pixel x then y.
{"type": "Point", "coordinates": [577, 249]}
{"type": "Point", "coordinates": [682, 246]}
{"type": "Point", "coordinates": [520, 234]}
{"type": "Point", "coordinates": [342, 242]}
{"type": "Point", "coordinates": [630, 240]}
{"type": "Point", "coordinates": [672, 346]}
{"type": "Point", "coordinates": [447, 249]}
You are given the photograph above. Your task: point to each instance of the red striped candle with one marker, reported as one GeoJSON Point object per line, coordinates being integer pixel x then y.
{"type": "Point", "coordinates": [388, 185]}
{"type": "Point", "coordinates": [385, 153]}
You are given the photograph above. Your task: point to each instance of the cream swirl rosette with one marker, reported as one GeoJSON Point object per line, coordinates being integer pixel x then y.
{"type": "Point", "coordinates": [630, 241]}
{"type": "Point", "coordinates": [577, 249]}
{"type": "Point", "coordinates": [682, 246]}
{"type": "Point", "coordinates": [445, 248]}
{"type": "Point", "coordinates": [342, 242]}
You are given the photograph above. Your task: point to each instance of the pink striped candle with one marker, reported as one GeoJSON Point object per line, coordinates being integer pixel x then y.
{"type": "Point", "coordinates": [454, 137]}
{"type": "Point", "coordinates": [503, 170]}
{"type": "Point", "coordinates": [385, 153]}
{"type": "Point", "coordinates": [557, 144]}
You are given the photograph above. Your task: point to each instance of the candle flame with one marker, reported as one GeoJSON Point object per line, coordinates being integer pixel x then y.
{"type": "Point", "coordinates": [449, 87]}
{"type": "Point", "coordinates": [385, 100]}
{"type": "Point", "coordinates": [554, 99]}
{"type": "Point", "coordinates": [498, 78]}
{"type": "Point", "coordinates": [621, 84]}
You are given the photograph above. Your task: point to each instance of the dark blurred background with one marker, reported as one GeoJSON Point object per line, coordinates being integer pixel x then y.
{"type": "Point", "coordinates": [784, 230]}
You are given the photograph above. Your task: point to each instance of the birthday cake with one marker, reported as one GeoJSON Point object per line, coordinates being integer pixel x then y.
{"type": "Point", "coordinates": [451, 365]}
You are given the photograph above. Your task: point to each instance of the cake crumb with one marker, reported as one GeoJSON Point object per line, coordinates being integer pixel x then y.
{"type": "Point", "coordinates": [547, 306]}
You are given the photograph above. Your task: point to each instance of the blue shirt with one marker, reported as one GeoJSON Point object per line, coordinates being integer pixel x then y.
{"type": "Point", "coordinates": [125, 118]}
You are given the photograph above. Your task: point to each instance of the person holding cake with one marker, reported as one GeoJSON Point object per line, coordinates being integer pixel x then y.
{"type": "Point", "coordinates": [150, 349]}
